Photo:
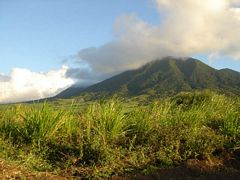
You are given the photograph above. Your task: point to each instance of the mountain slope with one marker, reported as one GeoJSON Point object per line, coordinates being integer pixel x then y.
{"type": "Point", "coordinates": [69, 92]}
{"type": "Point", "coordinates": [167, 76]}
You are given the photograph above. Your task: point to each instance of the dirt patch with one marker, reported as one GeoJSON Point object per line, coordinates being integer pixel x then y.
{"type": "Point", "coordinates": [8, 171]}
{"type": "Point", "coordinates": [224, 168]}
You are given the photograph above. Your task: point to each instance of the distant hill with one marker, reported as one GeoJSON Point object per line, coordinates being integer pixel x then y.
{"type": "Point", "coordinates": [69, 92]}
{"type": "Point", "coordinates": [164, 77]}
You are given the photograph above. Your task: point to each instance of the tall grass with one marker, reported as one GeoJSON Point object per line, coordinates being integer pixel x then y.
{"type": "Point", "coordinates": [41, 124]}
{"type": "Point", "coordinates": [106, 137]}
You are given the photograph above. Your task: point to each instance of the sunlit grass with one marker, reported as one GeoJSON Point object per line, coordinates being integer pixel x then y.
{"type": "Point", "coordinates": [107, 137]}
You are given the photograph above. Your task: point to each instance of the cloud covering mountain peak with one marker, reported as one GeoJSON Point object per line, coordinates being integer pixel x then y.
{"type": "Point", "coordinates": [187, 28]}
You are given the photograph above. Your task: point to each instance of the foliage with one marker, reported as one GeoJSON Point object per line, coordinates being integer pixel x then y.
{"type": "Point", "coordinates": [161, 78]}
{"type": "Point", "coordinates": [113, 136]}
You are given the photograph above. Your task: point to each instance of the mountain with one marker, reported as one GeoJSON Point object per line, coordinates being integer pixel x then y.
{"type": "Point", "coordinates": [69, 92]}
{"type": "Point", "coordinates": [167, 76]}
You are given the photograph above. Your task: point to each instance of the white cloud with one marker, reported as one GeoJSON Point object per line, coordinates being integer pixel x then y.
{"type": "Point", "coordinates": [188, 27]}
{"type": "Point", "coordinates": [23, 84]}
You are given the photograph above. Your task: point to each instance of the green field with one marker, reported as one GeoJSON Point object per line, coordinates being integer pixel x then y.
{"type": "Point", "coordinates": [119, 136]}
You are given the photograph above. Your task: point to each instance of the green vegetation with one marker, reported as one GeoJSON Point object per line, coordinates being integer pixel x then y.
{"type": "Point", "coordinates": [162, 78]}
{"type": "Point", "coordinates": [108, 137]}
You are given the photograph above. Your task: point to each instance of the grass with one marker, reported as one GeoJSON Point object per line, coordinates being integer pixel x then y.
{"type": "Point", "coordinates": [107, 137]}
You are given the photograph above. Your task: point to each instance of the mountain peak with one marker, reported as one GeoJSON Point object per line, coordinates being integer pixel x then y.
{"type": "Point", "coordinates": [167, 76]}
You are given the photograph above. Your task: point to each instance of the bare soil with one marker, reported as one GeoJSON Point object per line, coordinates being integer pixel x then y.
{"type": "Point", "coordinates": [226, 167]}
{"type": "Point", "coordinates": [221, 168]}
{"type": "Point", "coordinates": [8, 172]}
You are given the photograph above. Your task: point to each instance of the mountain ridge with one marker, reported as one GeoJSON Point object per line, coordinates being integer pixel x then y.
{"type": "Point", "coordinates": [167, 76]}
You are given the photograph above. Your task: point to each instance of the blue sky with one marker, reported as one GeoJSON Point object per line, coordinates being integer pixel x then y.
{"type": "Point", "coordinates": [48, 45]}
{"type": "Point", "coordinates": [39, 34]}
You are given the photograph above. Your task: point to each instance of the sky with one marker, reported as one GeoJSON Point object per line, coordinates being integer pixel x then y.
{"type": "Point", "coordinates": [48, 45]}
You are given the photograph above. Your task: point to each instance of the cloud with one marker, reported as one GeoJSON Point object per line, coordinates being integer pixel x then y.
{"type": "Point", "coordinates": [23, 84]}
{"type": "Point", "coordinates": [4, 78]}
{"type": "Point", "coordinates": [187, 28]}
